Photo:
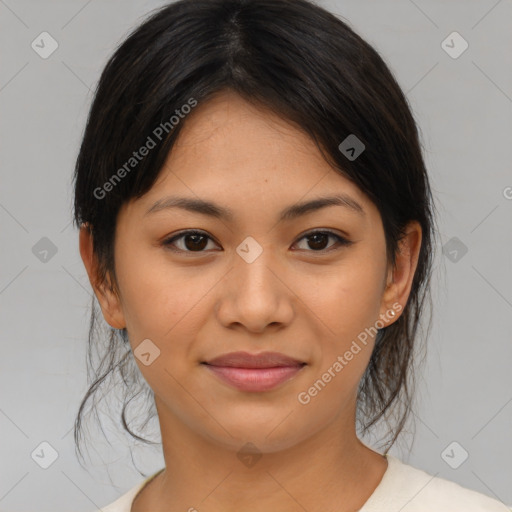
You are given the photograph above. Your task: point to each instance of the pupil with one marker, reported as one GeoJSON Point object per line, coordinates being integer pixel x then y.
{"type": "Point", "coordinates": [195, 244]}
{"type": "Point", "coordinates": [315, 238]}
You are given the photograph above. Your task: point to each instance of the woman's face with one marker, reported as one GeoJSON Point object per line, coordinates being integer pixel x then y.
{"type": "Point", "coordinates": [253, 281]}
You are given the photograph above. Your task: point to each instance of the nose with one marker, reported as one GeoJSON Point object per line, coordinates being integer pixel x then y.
{"type": "Point", "coordinates": [256, 293]}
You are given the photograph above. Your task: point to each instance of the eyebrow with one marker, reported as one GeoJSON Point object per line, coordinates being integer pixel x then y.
{"type": "Point", "coordinates": [220, 212]}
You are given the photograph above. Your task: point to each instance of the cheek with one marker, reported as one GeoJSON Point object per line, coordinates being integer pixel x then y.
{"type": "Point", "coordinates": [347, 300]}
{"type": "Point", "coordinates": [161, 302]}
{"type": "Point", "coordinates": [149, 299]}
{"type": "Point", "coordinates": [348, 307]}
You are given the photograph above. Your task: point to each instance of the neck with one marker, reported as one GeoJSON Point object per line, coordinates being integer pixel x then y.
{"type": "Point", "coordinates": [330, 470]}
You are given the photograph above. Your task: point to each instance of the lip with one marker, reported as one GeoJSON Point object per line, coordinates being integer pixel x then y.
{"type": "Point", "coordinates": [247, 360]}
{"type": "Point", "coordinates": [254, 372]}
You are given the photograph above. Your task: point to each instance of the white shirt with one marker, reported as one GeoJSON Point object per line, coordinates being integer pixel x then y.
{"type": "Point", "coordinates": [403, 488]}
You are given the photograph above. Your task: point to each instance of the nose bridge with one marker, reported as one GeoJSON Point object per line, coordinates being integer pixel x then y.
{"type": "Point", "coordinates": [256, 266]}
{"type": "Point", "coordinates": [257, 296]}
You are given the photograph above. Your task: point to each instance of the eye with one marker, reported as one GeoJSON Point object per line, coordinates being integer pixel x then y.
{"type": "Point", "coordinates": [318, 239]}
{"type": "Point", "coordinates": [197, 241]}
{"type": "Point", "coordinates": [193, 240]}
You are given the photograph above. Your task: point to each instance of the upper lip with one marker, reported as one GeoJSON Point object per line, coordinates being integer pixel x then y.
{"type": "Point", "coordinates": [247, 360]}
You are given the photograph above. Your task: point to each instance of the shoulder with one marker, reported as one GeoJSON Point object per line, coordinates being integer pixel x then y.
{"type": "Point", "coordinates": [446, 495]}
{"type": "Point", "coordinates": [415, 490]}
{"type": "Point", "coordinates": [124, 502]}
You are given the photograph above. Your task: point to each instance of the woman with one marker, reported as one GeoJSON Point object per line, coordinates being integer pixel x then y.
{"type": "Point", "coordinates": [257, 225]}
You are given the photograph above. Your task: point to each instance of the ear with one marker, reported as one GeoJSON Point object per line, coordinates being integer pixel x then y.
{"type": "Point", "coordinates": [108, 299]}
{"type": "Point", "coordinates": [399, 278]}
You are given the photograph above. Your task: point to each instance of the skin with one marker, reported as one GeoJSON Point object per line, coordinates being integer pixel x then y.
{"type": "Point", "coordinates": [294, 298]}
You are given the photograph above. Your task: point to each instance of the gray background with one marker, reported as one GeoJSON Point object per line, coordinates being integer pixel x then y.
{"type": "Point", "coordinates": [464, 109]}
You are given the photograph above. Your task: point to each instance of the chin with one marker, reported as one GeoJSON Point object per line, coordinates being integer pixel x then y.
{"type": "Point", "coordinates": [265, 433]}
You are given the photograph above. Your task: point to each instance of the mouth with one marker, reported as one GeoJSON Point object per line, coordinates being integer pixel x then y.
{"type": "Point", "coordinates": [254, 373]}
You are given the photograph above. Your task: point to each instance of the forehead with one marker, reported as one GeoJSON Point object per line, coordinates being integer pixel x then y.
{"type": "Point", "coordinates": [239, 154]}
{"type": "Point", "coordinates": [228, 129]}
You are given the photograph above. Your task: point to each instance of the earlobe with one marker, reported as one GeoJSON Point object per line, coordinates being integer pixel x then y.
{"type": "Point", "coordinates": [107, 298]}
{"type": "Point", "coordinates": [400, 277]}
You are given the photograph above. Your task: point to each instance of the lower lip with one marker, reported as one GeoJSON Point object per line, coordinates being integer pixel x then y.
{"type": "Point", "coordinates": [255, 379]}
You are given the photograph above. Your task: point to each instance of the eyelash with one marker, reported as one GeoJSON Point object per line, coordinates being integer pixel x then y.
{"type": "Point", "coordinates": [343, 242]}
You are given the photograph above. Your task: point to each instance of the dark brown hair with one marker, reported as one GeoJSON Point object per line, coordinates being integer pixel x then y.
{"type": "Point", "coordinates": [308, 66]}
